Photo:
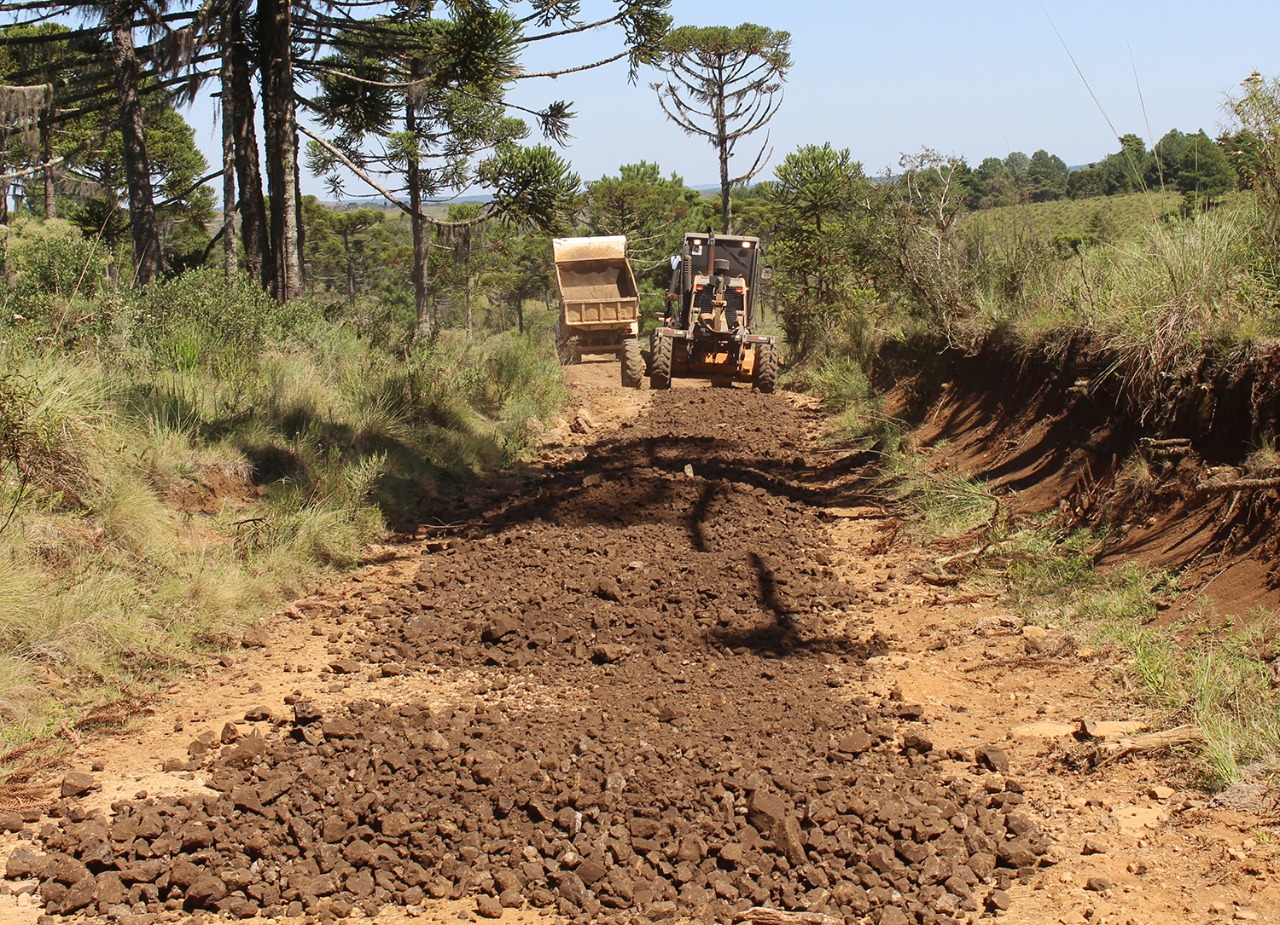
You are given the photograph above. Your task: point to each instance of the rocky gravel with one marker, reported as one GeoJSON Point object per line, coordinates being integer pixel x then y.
{"type": "Point", "coordinates": [667, 723]}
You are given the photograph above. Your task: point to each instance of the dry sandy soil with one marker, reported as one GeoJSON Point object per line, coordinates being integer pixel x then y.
{"type": "Point", "coordinates": [682, 667]}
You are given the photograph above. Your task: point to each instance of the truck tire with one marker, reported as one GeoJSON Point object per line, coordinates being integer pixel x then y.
{"type": "Point", "coordinates": [660, 366]}
{"type": "Point", "coordinates": [632, 364]}
{"type": "Point", "coordinates": [766, 373]}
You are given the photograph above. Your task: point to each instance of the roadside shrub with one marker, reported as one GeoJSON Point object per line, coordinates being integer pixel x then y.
{"type": "Point", "coordinates": [202, 319]}
{"type": "Point", "coordinates": [527, 387]}
{"type": "Point", "coordinates": [53, 259]}
{"type": "Point", "coordinates": [55, 276]}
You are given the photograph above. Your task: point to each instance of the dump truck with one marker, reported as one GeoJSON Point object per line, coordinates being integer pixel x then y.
{"type": "Point", "coordinates": [706, 328]}
{"type": "Point", "coordinates": [599, 303]}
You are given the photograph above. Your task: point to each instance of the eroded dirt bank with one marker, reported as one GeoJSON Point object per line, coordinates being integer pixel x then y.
{"type": "Point", "coordinates": [675, 672]}
{"type": "Point", "coordinates": [1169, 471]}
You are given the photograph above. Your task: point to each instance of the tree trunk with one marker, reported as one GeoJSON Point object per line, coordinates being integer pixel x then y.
{"type": "Point", "coordinates": [46, 150]}
{"type": "Point", "coordinates": [142, 214]}
{"type": "Point", "coordinates": [4, 186]}
{"type": "Point", "coordinates": [722, 149]}
{"type": "Point", "coordinates": [421, 301]}
{"type": "Point", "coordinates": [229, 250]}
{"type": "Point", "coordinates": [278, 116]}
{"type": "Point", "coordinates": [345, 234]}
{"type": "Point", "coordinates": [726, 217]}
{"type": "Point", "coordinates": [467, 288]}
{"type": "Point", "coordinates": [431, 294]}
{"type": "Point", "coordinates": [238, 111]}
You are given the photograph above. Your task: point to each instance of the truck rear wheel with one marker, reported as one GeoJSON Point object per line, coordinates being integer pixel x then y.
{"type": "Point", "coordinates": [766, 375]}
{"type": "Point", "coordinates": [660, 366]}
{"type": "Point", "coordinates": [632, 364]}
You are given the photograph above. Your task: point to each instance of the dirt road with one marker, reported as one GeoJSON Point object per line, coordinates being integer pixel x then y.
{"type": "Point", "coordinates": [676, 671]}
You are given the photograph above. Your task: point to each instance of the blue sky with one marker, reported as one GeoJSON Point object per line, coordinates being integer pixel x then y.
{"type": "Point", "coordinates": [979, 78]}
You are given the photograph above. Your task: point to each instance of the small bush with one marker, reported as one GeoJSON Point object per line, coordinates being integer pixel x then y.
{"type": "Point", "coordinates": [56, 279]}
{"type": "Point", "coordinates": [202, 319]}
{"type": "Point", "coordinates": [53, 260]}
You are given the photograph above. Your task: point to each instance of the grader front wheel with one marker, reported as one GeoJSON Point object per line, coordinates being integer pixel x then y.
{"type": "Point", "coordinates": [766, 375]}
{"type": "Point", "coordinates": [660, 365]}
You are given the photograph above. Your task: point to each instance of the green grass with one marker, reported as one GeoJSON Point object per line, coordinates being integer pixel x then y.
{"type": "Point", "coordinates": [1118, 218]}
{"type": "Point", "coordinates": [1209, 670]}
{"type": "Point", "coordinates": [107, 588]}
{"type": "Point", "coordinates": [1155, 294]}
{"type": "Point", "coordinates": [946, 504]}
{"type": "Point", "coordinates": [855, 413]}
{"type": "Point", "coordinates": [1216, 678]}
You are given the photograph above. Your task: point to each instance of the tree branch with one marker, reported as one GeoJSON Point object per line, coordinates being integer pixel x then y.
{"type": "Point", "coordinates": [573, 70]}
{"type": "Point", "coordinates": [386, 194]}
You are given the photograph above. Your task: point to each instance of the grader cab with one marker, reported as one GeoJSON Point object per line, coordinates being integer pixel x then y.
{"type": "Point", "coordinates": [706, 329]}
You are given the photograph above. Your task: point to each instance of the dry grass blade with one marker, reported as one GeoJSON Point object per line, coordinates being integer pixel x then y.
{"type": "Point", "coordinates": [16, 798]}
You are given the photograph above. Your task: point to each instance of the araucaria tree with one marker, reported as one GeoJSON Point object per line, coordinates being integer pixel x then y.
{"type": "Point", "coordinates": [724, 84]}
{"type": "Point", "coordinates": [418, 100]}
{"type": "Point", "coordinates": [821, 201]}
{"type": "Point", "coordinates": [438, 73]}
{"type": "Point", "coordinates": [651, 210]}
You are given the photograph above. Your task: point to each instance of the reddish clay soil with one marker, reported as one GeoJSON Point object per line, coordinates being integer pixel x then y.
{"type": "Point", "coordinates": [1164, 477]}
{"type": "Point", "coordinates": [682, 668]}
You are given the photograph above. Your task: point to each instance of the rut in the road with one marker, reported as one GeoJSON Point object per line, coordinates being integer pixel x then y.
{"type": "Point", "coordinates": [669, 723]}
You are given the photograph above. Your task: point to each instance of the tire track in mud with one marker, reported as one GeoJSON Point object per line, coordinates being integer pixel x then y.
{"type": "Point", "coordinates": [667, 722]}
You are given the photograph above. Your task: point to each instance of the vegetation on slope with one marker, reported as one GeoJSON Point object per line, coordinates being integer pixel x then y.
{"type": "Point", "coordinates": [1155, 299]}
{"type": "Point", "coordinates": [177, 462]}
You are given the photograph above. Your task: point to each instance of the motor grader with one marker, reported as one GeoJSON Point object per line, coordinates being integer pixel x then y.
{"type": "Point", "coordinates": [706, 328]}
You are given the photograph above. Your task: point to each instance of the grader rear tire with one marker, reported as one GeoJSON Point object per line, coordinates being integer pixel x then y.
{"type": "Point", "coordinates": [632, 364]}
{"type": "Point", "coordinates": [660, 366]}
{"type": "Point", "coordinates": [766, 377]}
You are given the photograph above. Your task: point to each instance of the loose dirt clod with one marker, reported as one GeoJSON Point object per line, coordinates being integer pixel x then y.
{"type": "Point", "coordinates": [656, 728]}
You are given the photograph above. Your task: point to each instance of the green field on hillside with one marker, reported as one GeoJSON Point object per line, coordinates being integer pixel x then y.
{"type": "Point", "coordinates": [1115, 218]}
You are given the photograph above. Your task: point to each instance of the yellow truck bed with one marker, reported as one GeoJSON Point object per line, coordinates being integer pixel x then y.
{"type": "Point", "coordinates": [597, 287]}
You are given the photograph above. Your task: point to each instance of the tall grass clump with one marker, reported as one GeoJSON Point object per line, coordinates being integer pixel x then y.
{"type": "Point", "coordinates": [197, 455]}
{"type": "Point", "coordinates": [855, 412]}
{"type": "Point", "coordinates": [1163, 295]}
{"type": "Point", "coordinates": [57, 438]}
{"type": "Point", "coordinates": [84, 541]}
{"type": "Point", "coordinates": [1178, 292]}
